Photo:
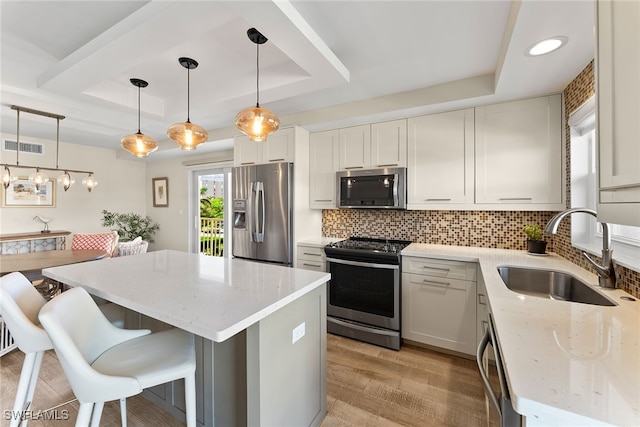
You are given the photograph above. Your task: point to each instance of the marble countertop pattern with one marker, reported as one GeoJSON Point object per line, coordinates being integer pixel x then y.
{"type": "Point", "coordinates": [567, 364]}
{"type": "Point", "coordinates": [209, 296]}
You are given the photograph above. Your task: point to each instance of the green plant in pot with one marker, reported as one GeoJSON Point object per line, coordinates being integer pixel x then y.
{"type": "Point", "coordinates": [130, 225]}
{"type": "Point", "coordinates": [535, 244]}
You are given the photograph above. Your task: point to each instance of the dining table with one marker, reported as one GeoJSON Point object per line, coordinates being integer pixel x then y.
{"type": "Point", "coordinates": [31, 265]}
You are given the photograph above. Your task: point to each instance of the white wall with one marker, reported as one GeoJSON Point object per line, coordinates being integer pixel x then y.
{"type": "Point", "coordinates": [121, 188]}
{"type": "Point", "coordinates": [173, 219]}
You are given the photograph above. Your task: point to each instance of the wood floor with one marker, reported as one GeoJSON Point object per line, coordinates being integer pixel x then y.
{"type": "Point", "coordinates": [366, 386]}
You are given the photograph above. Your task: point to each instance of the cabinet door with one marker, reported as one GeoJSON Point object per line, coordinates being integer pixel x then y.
{"type": "Point", "coordinates": [519, 152]}
{"type": "Point", "coordinates": [440, 312]}
{"type": "Point", "coordinates": [279, 147]}
{"type": "Point", "coordinates": [618, 96]}
{"type": "Point", "coordinates": [323, 164]}
{"type": "Point", "coordinates": [355, 147]}
{"type": "Point", "coordinates": [441, 148]}
{"type": "Point", "coordinates": [246, 152]}
{"type": "Point", "coordinates": [389, 144]}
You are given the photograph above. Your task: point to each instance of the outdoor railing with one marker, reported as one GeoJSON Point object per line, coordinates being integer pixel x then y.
{"type": "Point", "coordinates": [211, 236]}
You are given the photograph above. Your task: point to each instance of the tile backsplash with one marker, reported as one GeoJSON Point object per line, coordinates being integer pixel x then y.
{"type": "Point", "coordinates": [491, 229]}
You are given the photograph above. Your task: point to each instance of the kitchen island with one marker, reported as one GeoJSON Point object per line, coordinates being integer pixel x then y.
{"type": "Point", "coordinates": [260, 329]}
{"type": "Point", "coordinates": [567, 363]}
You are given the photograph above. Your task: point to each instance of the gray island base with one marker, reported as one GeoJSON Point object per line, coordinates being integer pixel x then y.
{"type": "Point", "coordinates": [260, 331]}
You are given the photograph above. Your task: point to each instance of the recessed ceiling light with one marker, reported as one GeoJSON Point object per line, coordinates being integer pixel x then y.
{"type": "Point", "coordinates": [547, 45]}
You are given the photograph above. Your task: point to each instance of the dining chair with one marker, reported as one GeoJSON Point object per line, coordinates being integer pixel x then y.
{"type": "Point", "coordinates": [100, 241]}
{"type": "Point", "coordinates": [104, 363]}
{"type": "Point", "coordinates": [20, 304]}
{"type": "Point", "coordinates": [107, 242]}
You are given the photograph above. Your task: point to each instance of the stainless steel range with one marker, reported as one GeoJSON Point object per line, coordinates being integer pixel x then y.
{"type": "Point", "coordinates": [364, 291]}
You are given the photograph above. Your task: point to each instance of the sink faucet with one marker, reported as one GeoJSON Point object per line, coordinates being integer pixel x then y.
{"type": "Point", "coordinates": [606, 272]}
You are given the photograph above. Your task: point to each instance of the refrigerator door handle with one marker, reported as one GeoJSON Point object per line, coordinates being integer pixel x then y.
{"type": "Point", "coordinates": [249, 225]}
{"type": "Point", "coordinates": [259, 233]}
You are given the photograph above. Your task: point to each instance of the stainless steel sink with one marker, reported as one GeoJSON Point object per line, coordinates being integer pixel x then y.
{"type": "Point", "coordinates": [551, 285]}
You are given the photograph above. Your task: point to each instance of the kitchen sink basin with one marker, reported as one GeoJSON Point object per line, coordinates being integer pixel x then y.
{"type": "Point", "coordinates": [551, 285]}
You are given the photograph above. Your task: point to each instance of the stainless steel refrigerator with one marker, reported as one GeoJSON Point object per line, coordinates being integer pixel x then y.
{"type": "Point", "coordinates": [263, 212]}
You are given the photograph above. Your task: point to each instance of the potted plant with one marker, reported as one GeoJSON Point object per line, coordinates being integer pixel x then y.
{"type": "Point", "coordinates": [535, 244]}
{"type": "Point", "coordinates": [130, 225]}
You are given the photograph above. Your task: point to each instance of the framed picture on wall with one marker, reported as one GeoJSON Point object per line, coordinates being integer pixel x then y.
{"type": "Point", "coordinates": [160, 192]}
{"type": "Point", "coordinates": [22, 193]}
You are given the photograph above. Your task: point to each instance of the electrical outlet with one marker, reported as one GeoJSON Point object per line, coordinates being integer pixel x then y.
{"type": "Point", "coordinates": [298, 332]}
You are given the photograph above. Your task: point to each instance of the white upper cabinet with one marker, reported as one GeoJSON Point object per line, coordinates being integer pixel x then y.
{"type": "Point", "coordinates": [279, 147]}
{"type": "Point", "coordinates": [378, 145]}
{"type": "Point", "coordinates": [618, 111]}
{"type": "Point", "coordinates": [389, 144]}
{"type": "Point", "coordinates": [355, 147]}
{"type": "Point", "coordinates": [323, 164]}
{"type": "Point", "coordinates": [519, 154]}
{"type": "Point", "coordinates": [440, 160]}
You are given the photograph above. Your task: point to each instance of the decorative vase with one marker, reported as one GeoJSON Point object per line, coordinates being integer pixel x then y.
{"type": "Point", "coordinates": [536, 246]}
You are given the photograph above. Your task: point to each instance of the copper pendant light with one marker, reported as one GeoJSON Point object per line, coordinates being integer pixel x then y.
{"type": "Point", "coordinates": [188, 135]}
{"type": "Point", "coordinates": [138, 144]}
{"type": "Point", "coordinates": [257, 122]}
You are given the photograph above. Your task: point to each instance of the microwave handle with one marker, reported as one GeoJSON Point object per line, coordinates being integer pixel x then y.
{"type": "Point", "coordinates": [395, 189]}
{"type": "Point", "coordinates": [482, 348]}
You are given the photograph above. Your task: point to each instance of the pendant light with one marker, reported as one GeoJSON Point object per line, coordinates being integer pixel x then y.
{"type": "Point", "coordinates": [138, 144]}
{"type": "Point", "coordinates": [7, 177]}
{"type": "Point", "coordinates": [38, 179]}
{"type": "Point", "coordinates": [256, 122]}
{"type": "Point", "coordinates": [187, 135]}
{"type": "Point", "coordinates": [89, 182]}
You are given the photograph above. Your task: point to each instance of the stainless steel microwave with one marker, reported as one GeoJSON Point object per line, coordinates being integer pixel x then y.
{"type": "Point", "coordinates": [372, 188]}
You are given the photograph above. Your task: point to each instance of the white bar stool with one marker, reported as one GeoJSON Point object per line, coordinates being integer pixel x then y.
{"type": "Point", "coordinates": [20, 304]}
{"type": "Point", "coordinates": [105, 363]}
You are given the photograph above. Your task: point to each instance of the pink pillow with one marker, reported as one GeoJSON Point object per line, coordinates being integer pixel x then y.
{"type": "Point", "coordinates": [102, 241]}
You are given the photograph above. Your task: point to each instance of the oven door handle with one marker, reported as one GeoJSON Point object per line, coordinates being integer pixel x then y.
{"type": "Point", "coordinates": [364, 264]}
{"type": "Point", "coordinates": [371, 330]}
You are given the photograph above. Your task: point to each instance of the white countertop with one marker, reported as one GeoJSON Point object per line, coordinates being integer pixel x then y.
{"type": "Point", "coordinates": [208, 296]}
{"type": "Point", "coordinates": [567, 364]}
{"type": "Point", "coordinates": [320, 242]}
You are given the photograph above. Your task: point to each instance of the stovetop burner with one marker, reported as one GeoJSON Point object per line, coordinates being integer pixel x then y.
{"type": "Point", "coordinates": [371, 245]}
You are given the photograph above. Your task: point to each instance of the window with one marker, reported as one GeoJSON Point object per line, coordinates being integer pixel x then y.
{"type": "Point", "coordinates": [586, 232]}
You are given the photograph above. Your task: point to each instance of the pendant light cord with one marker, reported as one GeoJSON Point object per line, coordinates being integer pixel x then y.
{"type": "Point", "coordinates": [188, 94]}
{"type": "Point", "coordinates": [139, 109]}
{"type": "Point", "coordinates": [257, 75]}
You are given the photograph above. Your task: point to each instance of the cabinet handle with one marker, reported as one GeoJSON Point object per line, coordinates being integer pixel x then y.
{"type": "Point", "coordinates": [434, 282]}
{"type": "Point", "coordinates": [353, 167]}
{"type": "Point", "coordinates": [248, 163]}
{"type": "Point", "coordinates": [436, 268]}
{"type": "Point", "coordinates": [480, 299]}
{"type": "Point", "coordinates": [390, 164]}
{"type": "Point", "coordinates": [437, 200]}
{"type": "Point", "coordinates": [515, 198]}
{"type": "Point", "coordinates": [322, 200]}
{"type": "Point", "coordinates": [276, 160]}
{"type": "Point", "coordinates": [309, 253]}
{"type": "Point", "coordinates": [613, 188]}
{"type": "Point", "coordinates": [311, 265]}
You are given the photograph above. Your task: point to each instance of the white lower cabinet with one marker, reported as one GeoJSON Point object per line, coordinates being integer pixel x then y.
{"type": "Point", "coordinates": [439, 303]}
{"type": "Point", "coordinates": [311, 258]}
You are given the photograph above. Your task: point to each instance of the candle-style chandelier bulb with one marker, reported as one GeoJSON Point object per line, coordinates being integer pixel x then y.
{"type": "Point", "coordinates": [89, 182]}
{"type": "Point", "coordinates": [7, 177]}
{"type": "Point", "coordinates": [66, 180]}
{"type": "Point", "coordinates": [38, 179]}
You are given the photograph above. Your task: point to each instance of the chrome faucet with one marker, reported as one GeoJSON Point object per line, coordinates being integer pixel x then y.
{"type": "Point", "coordinates": [606, 271]}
